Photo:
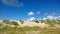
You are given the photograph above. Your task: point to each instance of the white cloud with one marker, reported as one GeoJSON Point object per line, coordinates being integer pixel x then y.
{"type": "Point", "coordinates": [44, 18]}
{"type": "Point", "coordinates": [38, 12]}
{"type": "Point", "coordinates": [31, 13]}
{"type": "Point", "coordinates": [59, 16]}
{"type": "Point", "coordinates": [12, 3]}
{"type": "Point", "coordinates": [53, 17]}
{"type": "Point", "coordinates": [50, 17]}
{"type": "Point", "coordinates": [30, 19]}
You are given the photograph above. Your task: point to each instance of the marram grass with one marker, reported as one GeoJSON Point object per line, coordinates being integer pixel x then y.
{"type": "Point", "coordinates": [29, 30]}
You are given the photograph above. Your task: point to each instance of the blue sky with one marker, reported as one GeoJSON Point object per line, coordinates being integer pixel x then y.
{"type": "Point", "coordinates": [20, 10]}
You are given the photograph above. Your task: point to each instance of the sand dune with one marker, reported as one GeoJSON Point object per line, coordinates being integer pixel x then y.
{"type": "Point", "coordinates": [1, 21]}
{"type": "Point", "coordinates": [31, 24]}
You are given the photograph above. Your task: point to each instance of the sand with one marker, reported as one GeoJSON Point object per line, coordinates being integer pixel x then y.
{"type": "Point", "coordinates": [31, 24]}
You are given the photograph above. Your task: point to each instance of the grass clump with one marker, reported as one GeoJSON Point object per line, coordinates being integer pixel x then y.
{"type": "Point", "coordinates": [36, 21]}
{"type": "Point", "coordinates": [14, 23]}
{"type": "Point", "coordinates": [21, 21]}
{"type": "Point", "coordinates": [6, 21]}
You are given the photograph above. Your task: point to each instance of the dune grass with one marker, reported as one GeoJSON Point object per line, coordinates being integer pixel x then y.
{"type": "Point", "coordinates": [29, 30]}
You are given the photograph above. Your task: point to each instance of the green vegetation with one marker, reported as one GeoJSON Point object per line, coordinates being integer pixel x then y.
{"type": "Point", "coordinates": [36, 21]}
{"type": "Point", "coordinates": [41, 21]}
{"type": "Point", "coordinates": [1, 24]}
{"type": "Point", "coordinates": [6, 21]}
{"type": "Point", "coordinates": [58, 22]}
{"type": "Point", "coordinates": [50, 22]}
{"type": "Point", "coordinates": [21, 21]}
{"type": "Point", "coordinates": [14, 23]}
{"type": "Point", "coordinates": [29, 30]}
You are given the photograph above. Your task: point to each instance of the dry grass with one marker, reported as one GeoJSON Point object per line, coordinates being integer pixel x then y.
{"type": "Point", "coordinates": [29, 30]}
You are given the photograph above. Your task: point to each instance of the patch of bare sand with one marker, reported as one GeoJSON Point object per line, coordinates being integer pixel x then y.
{"type": "Point", "coordinates": [1, 21]}
{"type": "Point", "coordinates": [31, 24]}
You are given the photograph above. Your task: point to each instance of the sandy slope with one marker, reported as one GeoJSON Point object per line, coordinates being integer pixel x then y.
{"type": "Point", "coordinates": [31, 24]}
{"type": "Point", "coordinates": [1, 21]}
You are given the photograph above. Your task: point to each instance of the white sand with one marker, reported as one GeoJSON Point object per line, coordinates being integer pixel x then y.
{"type": "Point", "coordinates": [31, 24]}
{"type": "Point", "coordinates": [1, 21]}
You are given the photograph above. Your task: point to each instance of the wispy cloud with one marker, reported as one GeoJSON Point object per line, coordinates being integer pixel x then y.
{"type": "Point", "coordinates": [31, 13]}
{"type": "Point", "coordinates": [12, 3]}
{"type": "Point", "coordinates": [51, 17]}
{"type": "Point", "coordinates": [38, 12]}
